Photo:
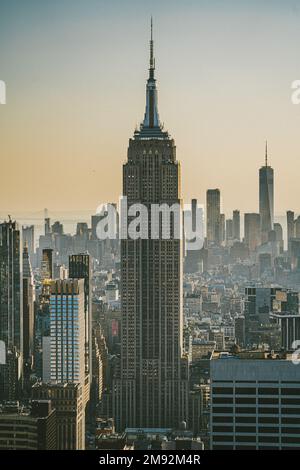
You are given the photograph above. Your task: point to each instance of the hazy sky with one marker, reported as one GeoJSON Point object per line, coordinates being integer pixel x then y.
{"type": "Point", "coordinates": [75, 72]}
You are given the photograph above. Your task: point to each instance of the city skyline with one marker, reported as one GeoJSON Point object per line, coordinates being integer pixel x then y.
{"type": "Point", "coordinates": [159, 323]}
{"type": "Point", "coordinates": [78, 105]}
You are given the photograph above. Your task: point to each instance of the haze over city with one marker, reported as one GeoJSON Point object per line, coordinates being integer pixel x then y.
{"type": "Point", "coordinates": [75, 75]}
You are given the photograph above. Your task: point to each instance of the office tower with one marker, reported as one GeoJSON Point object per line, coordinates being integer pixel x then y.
{"type": "Point", "coordinates": [259, 302]}
{"type": "Point", "coordinates": [11, 310]}
{"type": "Point", "coordinates": [28, 239]}
{"type": "Point", "coordinates": [236, 225]}
{"type": "Point", "coordinates": [239, 326]}
{"type": "Point", "coordinates": [80, 268]}
{"type": "Point", "coordinates": [28, 427]}
{"type": "Point", "coordinates": [229, 230]}
{"type": "Point", "coordinates": [290, 330]}
{"type": "Point", "coordinates": [57, 228]}
{"type": "Point", "coordinates": [67, 331]}
{"type": "Point", "coordinates": [152, 389]}
{"type": "Point", "coordinates": [252, 231]}
{"type": "Point", "coordinates": [254, 402]}
{"type": "Point", "coordinates": [81, 237]}
{"type": "Point", "coordinates": [47, 264]}
{"type": "Point", "coordinates": [213, 215]}
{"type": "Point", "coordinates": [28, 312]}
{"type": "Point", "coordinates": [222, 228]}
{"type": "Point", "coordinates": [266, 199]}
{"type": "Point", "coordinates": [194, 214]}
{"type": "Point", "coordinates": [295, 254]}
{"type": "Point", "coordinates": [82, 229]}
{"type": "Point", "coordinates": [290, 217]}
{"type": "Point", "coordinates": [47, 226]}
{"type": "Point", "coordinates": [67, 400]}
{"type": "Point", "coordinates": [10, 285]}
{"type": "Point", "coordinates": [297, 227]}
{"type": "Point", "coordinates": [193, 237]}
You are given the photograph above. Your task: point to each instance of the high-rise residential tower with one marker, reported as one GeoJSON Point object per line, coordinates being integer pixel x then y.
{"type": "Point", "coordinates": [213, 216]}
{"type": "Point", "coordinates": [153, 385]}
{"type": "Point", "coordinates": [67, 331]}
{"type": "Point", "coordinates": [266, 199]}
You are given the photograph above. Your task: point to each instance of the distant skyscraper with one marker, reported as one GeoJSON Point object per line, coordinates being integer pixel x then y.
{"type": "Point", "coordinates": [47, 226]}
{"type": "Point", "coordinates": [152, 390]}
{"type": "Point", "coordinates": [236, 225]}
{"type": "Point", "coordinates": [213, 215]}
{"type": "Point", "coordinates": [58, 228]}
{"type": "Point", "coordinates": [229, 230]}
{"type": "Point", "coordinates": [297, 227]}
{"type": "Point", "coordinates": [222, 228]}
{"type": "Point", "coordinates": [47, 264]}
{"type": "Point", "coordinates": [28, 239]}
{"type": "Point", "coordinates": [279, 235]}
{"type": "Point", "coordinates": [80, 268]}
{"type": "Point", "coordinates": [290, 217]}
{"type": "Point", "coordinates": [266, 199]}
{"type": "Point", "coordinates": [67, 331]}
{"type": "Point", "coordinates": [252, 231]}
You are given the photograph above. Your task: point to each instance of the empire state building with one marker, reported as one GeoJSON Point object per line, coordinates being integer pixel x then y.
{"type": "Point", "coordinates": [151, 389]}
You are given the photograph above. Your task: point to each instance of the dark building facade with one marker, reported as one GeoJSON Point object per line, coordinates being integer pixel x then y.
{"type": "Point", "coordinates": [11, 310]}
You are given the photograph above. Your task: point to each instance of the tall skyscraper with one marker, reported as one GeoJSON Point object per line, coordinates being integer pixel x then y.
{"type": "Point", "coordinates": [11, 310]}
{"type": "Point", "coordinates": [10, 285]}
{"type": "Point", "coordinates": [80, 268]}
{"type": "Point", "coordinates": [152, 388]}
{"type": "Point", "coordinates": [213, 216]}
{"type": "Point", "coordinates": [236, 225]}
{"type": "Point", "coordinates": [67, 331]}
{"type": "Point", "coordinates": [266, 199]}
{"type": "Point", "coordinates": [290, 218]}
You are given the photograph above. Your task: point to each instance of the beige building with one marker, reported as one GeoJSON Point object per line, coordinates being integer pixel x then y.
{"type": "Point", "coordinates": [68, 401]}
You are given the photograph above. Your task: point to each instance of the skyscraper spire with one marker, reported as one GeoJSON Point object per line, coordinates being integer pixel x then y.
{"type": "Point", "coordinates": [266, 154]}
{"type": "Point", "coordinates": [152, 60]}
{"type": "Point", "coordinates": [151, 126]}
